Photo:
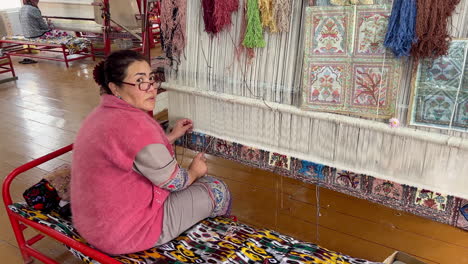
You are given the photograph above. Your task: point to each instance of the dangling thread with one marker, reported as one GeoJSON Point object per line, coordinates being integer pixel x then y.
{"type": "Point", "coordinates": [254, 33]}
{"type": "Point", "coordinates": [173, 21]}
{"type": "Point", "coordinates": [431, 28]}
{"type": "Point", "coordinates": [317, 217]}
{"type": "Point", "coordinates": [401, 27]}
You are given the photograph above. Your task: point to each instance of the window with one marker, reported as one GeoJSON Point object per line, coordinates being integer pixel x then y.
{"type": "Point", "coordinates": [9, 4]}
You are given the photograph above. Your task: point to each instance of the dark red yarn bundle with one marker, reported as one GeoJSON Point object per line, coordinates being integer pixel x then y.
{"type": "Point", "coordinates": [217, 14]}
{"type": "Point", "coordinates": [432, 34]}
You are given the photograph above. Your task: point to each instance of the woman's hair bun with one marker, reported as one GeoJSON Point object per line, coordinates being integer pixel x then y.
{"type": "Point", "coordinates": [99, 74]}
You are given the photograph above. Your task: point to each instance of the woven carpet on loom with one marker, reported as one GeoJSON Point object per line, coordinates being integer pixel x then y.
{"type": "Point", "coordinates": [346, 66]}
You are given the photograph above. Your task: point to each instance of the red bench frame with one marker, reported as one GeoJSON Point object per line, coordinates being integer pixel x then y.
{"type": "Point", "coordinates": [19, 223]}
{"type": "Point", "coordinates": [16, 48]}
{"type": "Point", "coordinates": [7, 67]}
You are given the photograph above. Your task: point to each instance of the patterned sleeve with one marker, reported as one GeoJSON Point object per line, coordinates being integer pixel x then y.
{"type": "Point", "coordinates": [160, 167]}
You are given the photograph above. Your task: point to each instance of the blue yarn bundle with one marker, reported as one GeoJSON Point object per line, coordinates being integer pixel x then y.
{"type": "Point", "coordinates": [401, 27]}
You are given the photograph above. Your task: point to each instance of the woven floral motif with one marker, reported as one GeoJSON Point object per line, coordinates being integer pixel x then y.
{"type": "Point", "coordinates": [279, 161]}
{"type": "Point", "coordinates": [460, 119]}
{"type": "Point", "coordinates": [362, 80]}
{"type": "Point", "coordinates": [462, 215]}
{"type": "Point", "coordinates": [436, 107]}
{"type": "Point", "coordinates": [441, 90]}
{"type": "Point", "coordinates": [372, 91]}
{"type": "Point", "coordinates": [328, 34]}
{"type": "Point", "coordinates": [431, 199]}
{"type": "Point", "coordinates": [251, 155]}
{"type": "Point", "coordinates": [348, 179]}
{"type": "Point", "coordinates": [224, 148]}
{"type": "Point", "coordinates": [326, 82]}
{"type": "Point", "coordinates": [370, 32]}
{"type": "Point", "coordinates": [311, 170]}
{"type": "Point", "coordinates": [371, 86]}
{"type": "Point", "coordinates": [445, 72]}
{"type": "Point", "coordinates": [387, 188]}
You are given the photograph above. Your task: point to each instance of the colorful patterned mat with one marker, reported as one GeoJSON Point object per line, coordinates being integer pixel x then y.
{"type": "Point", "coordinates": [213, 240]}
{"type": "Point", "coordinates": [73, 44]}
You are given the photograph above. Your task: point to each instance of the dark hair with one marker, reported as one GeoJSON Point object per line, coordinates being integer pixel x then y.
{"type": "Point", "coordinates": [28, 2]}
{"type": "Point", "coordinates": [114, 68]}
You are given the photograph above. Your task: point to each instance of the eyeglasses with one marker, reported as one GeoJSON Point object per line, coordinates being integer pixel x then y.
{"type": "Point", "coordinates": [145, 86]}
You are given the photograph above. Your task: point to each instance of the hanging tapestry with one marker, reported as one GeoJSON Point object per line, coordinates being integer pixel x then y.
{"type": "Point", "coordinates": [347, 69]}
{"type": "Point", "coordinates": [327, 32]}
{"type": "Point", "coordinates": [441, 90]}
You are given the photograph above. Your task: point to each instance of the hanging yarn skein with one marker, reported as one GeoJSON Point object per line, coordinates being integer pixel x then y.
{"type": "Point", "coordinates": [401, 27]}
{"type": "Point", "coordinates": [266, 11]}
{"type": "Point", "coordinates": [241, 48]}
{"type": "Point", "coordinates": [281, 14]}
{"type": "Point", "coordinates": [253, 33]}
{"type": "Point", "coordinates": [173, 23]}
{"type": "Point", "coordinates": [217, 14]}
{"type": "Point", "coordinates": [431, 28]}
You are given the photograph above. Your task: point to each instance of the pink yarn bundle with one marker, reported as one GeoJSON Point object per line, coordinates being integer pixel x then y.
{"type": "Point", "coordinates": [217, 14]}
{"type": "Point", "coordinates": [173, 23]}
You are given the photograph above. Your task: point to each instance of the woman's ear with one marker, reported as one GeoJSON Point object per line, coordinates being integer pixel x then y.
{"type": "Point", "coordinates": [114, 89]}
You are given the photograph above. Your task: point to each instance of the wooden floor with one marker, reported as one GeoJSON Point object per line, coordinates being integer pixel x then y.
{"type": "Point", "coordinates": [42, 111]}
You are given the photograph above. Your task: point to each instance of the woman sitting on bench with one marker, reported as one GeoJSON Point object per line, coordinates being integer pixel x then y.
{"type": "Point", "coordinates": [32, 23]}
{"type": "Point", "coordinates": [128, 193]}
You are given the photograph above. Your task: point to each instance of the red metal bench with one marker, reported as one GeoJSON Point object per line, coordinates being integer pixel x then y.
{"type": "Point", "coordinates": [16, 48]}
{"type": "Point", "coordinates": [7, 66]}
{"type": "Point", "coordinates": [19, 223]}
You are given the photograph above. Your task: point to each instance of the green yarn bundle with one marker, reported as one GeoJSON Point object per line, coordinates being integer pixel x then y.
{"type": "Point", "coordinates": [254, 31]}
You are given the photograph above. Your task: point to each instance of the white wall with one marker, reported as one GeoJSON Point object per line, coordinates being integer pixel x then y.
{"type": "Point", "coordinates": [9, 22]}
{"type": "Point", "coordinates": [9, 4]}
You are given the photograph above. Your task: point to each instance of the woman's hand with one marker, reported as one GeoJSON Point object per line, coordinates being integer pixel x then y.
{"type": "Point", "coordinates": [50, 24]}
{"type": "Point", "coordinates": [198, 167]}
{"type": "Point", "coordinates": [181, 127]}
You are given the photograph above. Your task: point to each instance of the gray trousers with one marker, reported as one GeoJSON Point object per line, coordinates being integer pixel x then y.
{"type": "Point", "coordinates": [183, 209]}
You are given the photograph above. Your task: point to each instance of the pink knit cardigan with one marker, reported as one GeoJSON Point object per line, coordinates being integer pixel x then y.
{"type": "Point", "coordinates": [114, 208]}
